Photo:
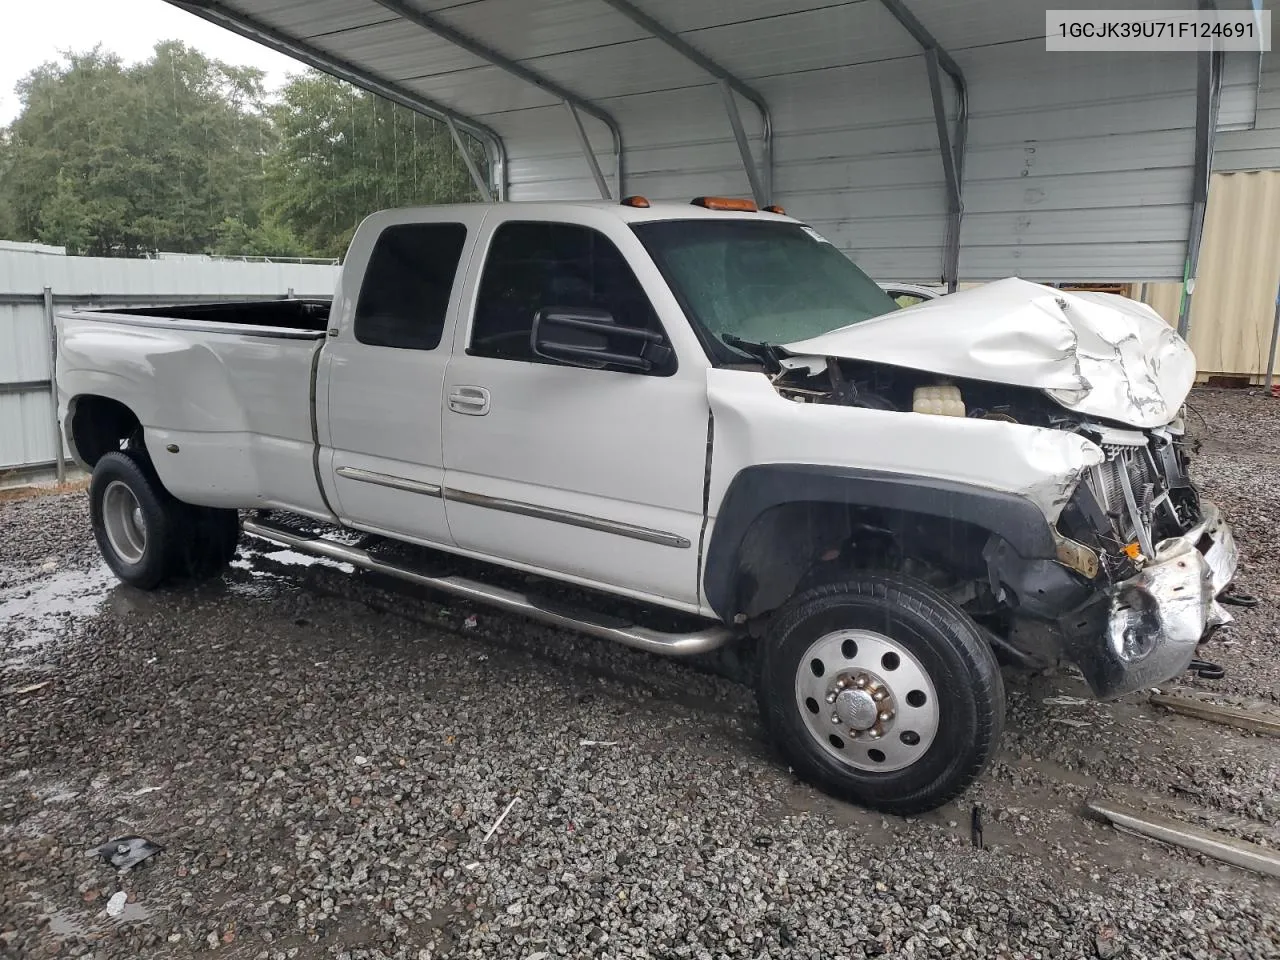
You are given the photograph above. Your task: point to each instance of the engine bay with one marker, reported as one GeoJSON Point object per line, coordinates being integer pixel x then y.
{"type": "Point", "coordinates": [882, 387]}
{"type": "Point", "coordinates": [1140, 495]}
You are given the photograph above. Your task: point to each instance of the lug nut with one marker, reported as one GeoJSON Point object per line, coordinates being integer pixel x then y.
{"type": "Point", "coordinates": [880, 694]}
{"type": "Point", "coordinates": [873, 733]}
{"type": "Point", "coordinates": [831, 698]}
{"type": "Point", "coordinates": [885, 715]}
{"type": "Point", "coordinates": [835, 718]}
{"type": "Point", "coordinates": [861, 681]}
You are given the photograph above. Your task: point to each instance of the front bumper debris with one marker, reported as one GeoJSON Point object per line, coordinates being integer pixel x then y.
{"type": "Point", "coordinates": [1157, 618]}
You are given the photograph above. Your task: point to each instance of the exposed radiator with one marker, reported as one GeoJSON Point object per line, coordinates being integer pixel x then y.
{"type": "Point", "coordinates": [1108, 488]}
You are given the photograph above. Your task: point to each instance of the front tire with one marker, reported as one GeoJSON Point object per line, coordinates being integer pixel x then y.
{"type": "Point", "coordinates": [882, 692]}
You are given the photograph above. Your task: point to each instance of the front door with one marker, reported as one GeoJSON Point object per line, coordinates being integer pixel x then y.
{"type": "Point", "coordinates": [593, 474]}
{"type": "Point", "coordinates": [385, 370]}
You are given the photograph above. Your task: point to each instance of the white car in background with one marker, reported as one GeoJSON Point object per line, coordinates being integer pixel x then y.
{"type": "Point", "coordinates": [909, 294]}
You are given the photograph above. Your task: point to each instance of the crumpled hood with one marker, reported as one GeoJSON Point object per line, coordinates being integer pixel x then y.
{"type": "Point", "coordinates": [1096, 353]}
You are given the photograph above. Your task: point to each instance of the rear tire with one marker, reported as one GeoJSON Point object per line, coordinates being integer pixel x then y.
{"type": "Point", "coordinates": [882, 692]}
{"type": "Point", "coordinates": [146, 535]}
{"type": "Point", "coordinates": [135, 520]}
{"type": "Point", "coordinates": [210, 544]}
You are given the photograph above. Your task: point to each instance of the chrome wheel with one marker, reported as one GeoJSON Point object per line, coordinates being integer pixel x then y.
{"type": "Point", "coordinates": [867, 700]}
{"type": "Point", "coordinates": [122, 519]}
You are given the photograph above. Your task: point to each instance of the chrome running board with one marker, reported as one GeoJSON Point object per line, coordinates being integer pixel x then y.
{"type": "Point", "coordinates": [641, 638]}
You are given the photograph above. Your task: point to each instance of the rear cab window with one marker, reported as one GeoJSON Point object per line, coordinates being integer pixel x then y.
{"type": "Point", "coordinates": [404, 296]}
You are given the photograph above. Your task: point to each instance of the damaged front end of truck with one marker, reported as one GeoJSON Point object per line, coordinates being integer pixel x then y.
{"type": "Point", "coordinates": [1142, 562]}
{"type": "Point", "coordinates": [1139, 559]}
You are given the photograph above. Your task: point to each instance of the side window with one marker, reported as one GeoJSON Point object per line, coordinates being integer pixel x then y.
{"type": "Point", "coordinates": [405, 294]}
{"type": "Point", "coordinates": [532, 266]}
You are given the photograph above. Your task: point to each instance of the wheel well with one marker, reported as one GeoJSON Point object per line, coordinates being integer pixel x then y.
{"type": "Point", "coordinates": [777, 520]}
{"type": "Point", "coordinates": [799, 544]}
{"type": "Point", "coordinates": [100, 425]}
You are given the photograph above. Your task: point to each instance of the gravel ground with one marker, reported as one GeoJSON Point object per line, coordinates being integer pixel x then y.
{"type": "Point", "coordinates": [325, 761]}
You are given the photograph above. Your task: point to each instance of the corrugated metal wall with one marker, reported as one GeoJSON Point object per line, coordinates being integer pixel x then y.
{"type": "Point", "coordinates": [1234, 302]}
{"type": "Point", "coordinates": [1078, 166]}
{"type": "Point", "coordinates": [26, 403]}
{"type": "Point", "coordinates": [1257, 148]}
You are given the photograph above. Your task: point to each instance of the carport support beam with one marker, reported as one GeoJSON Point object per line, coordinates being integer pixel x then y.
{"type": "Point", "coordinates": [601, 184]}
{"type": "Point", "coordinates": [433, 24]}
{"type": "Point", "coordinates": [325, 62]}
{"type": "Point", "coordinates": [744, 146]}
{"type": "Point", "coordinates": [761, 178]}
{"type": "Point", "coordinates": [472, 169]}
{"type": "Point", "coordinates": [950, 170]}
{"type": "Point", "coordinates": [1208, 83]}
{"type": "Point", "coordinates": [1275, 335]}
{"type": "Point", "coordinates": [938, 61]}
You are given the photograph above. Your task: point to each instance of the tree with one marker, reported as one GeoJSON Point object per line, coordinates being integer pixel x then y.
{"type": "Point", "coordinates": [344, 153]}
{"type": "Point", "coordinates": [235, 238]}
{"type": "Point", "coordinates": [184, 153]}
{"type": "Point", "coordinates": [110, 160]}
{"type": "Point", "coordinates": [8, 222]}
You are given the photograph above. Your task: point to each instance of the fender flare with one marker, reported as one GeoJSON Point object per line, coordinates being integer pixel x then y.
{"type": "Point", "coordinates": [757, 489]}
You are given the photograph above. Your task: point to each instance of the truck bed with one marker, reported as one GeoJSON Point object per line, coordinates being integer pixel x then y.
{"type": "Point", "coordinates": [295, 314]}
{"type": "Point", "coordinates": [222, 392]}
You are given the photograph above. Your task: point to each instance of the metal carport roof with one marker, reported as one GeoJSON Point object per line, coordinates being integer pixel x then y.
{"type": "Point", "coordinates": [1070, 165]}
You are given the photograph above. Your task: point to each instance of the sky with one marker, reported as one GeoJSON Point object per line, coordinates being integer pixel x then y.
{"type": "Point", "coordinates": [32, 33]}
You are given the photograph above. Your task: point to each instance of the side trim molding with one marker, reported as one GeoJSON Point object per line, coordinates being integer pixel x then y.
{"type": "Point", "coordinates": [387, 480]}
{"type": "Point", "coordinates": [564, 516]}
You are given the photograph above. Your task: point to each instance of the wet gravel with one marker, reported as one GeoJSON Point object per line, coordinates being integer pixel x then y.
{"type": "Point", "coordinates": [325, 759]}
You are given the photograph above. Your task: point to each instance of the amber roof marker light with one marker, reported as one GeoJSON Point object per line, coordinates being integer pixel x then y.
{"type": "Point", "coordinates": [774, 208]}
{"type": "Point", "coordinates": [725, 203]}
{"type": "Point", "coordinates": [636, 201]}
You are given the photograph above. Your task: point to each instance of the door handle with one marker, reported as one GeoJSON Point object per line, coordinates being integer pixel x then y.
{"type": "Point", "coordinates": [471, 401]}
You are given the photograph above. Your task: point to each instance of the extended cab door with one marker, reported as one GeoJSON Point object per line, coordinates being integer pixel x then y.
{"type": "Point", "coordinates": [380, 387]}
{"type": "Point", "coordinates": [594, 474]}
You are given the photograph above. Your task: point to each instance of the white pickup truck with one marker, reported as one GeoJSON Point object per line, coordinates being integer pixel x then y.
{"type": "Point", "coordinates": [704, 416]}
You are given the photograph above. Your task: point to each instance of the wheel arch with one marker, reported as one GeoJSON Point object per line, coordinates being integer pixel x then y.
{"type": "Point", "coordinates": [96, 425]}
{"type": "Point", "coordinates": [775, 519]}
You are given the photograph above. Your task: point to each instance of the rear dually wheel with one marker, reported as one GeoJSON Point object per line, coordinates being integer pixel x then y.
{"type": "Point", "coordinates": [147, 536]}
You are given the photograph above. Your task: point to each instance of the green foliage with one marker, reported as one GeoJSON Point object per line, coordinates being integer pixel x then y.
{"type": "Point", "coordinates": [345, 153]}
{"type": "Point", "coordinates": [110, 160]}
{"type": "Point", "coordinates": [235, 238]}
{"type": "Point", "coordinates": [184, 153]}
{"type": "Point", "coordinates": [8, 223]}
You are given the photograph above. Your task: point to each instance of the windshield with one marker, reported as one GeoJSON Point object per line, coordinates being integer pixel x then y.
{"type": "Point", "coordinates": [758, 281]}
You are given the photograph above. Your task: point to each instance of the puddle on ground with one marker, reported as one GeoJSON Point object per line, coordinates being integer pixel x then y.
{"type": "Point", "coordinates": [42, 606]}
{"type": "Point", "coordinates": [285, 557]}
{"type": "Point", "coordinates": [269, 567]}
{"type": "Point", "coordinates": [38, 610]}
{"type": "Point", "coordinates": [66, 922]}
